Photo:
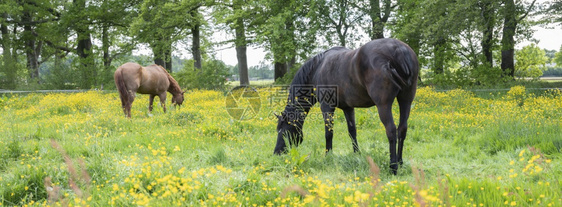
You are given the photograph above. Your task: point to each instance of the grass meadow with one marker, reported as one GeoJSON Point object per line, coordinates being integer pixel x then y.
{"type": "Point", "coordinates": [462, 149]}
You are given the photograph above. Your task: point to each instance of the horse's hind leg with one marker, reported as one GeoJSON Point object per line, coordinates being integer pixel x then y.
{"type": "Point", "coordinates": [385, 114]}
{"type": "Point", "coordinates": [124, 107]}
{"type": "Point", "coordinates": [128, 105]}
{"type": "Point", "coordinates": [405, 103]}
{"type": "Point", "coordinates": [351, 128]}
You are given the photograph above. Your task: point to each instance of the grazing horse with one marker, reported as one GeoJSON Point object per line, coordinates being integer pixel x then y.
{"type": "Point", "coordinates": [132, 78]}
{"type": "Point", "coordinates": [373, 75]}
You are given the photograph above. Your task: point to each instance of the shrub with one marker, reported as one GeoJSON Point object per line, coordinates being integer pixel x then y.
{"type": "Point", "coordinates": [212, 75]}
{"type": "Point", "coordinates": [551, 71]}
{"type": "Point", "coordinates": [288, 77]}
{"type": "Point", "coordinates": [60, 77]}
{"type": "Point", "coordinates": [469, 76]}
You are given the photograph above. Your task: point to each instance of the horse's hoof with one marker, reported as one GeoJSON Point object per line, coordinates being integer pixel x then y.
{"type": "Point", "coordinates": [394, 168]}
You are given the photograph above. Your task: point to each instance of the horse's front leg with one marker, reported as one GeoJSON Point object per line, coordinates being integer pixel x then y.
{"type": "Point", "coordinates": [150, 103]}
{"type": "Point", "coordinates": [351, 128]}
{"type": "Point", "coordinates": [328, 114]}
{"type": "Point", "coordinates": [163, 101]}
{"type": "Point", "coordinates": [385, 114]}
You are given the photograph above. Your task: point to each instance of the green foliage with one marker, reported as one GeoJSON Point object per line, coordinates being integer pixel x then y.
{"type": "Point", "coordinates": [212, 75]}
{"type": "Point", "coordinates": [486, 76]}
{"type": "Point", "coordinates": [297, 158]}
{"type": "Point", "coordinates": [60, 76]}
{"type": "Point", "coordinates": [288, 77]}
{"type": "Point", "coordinates": [290, 31]}
{"type": "Point", "coordinates": [261, 71]}
{"type": "Point", "coordinates": [481, 76]}
{"type": "Point", "coordinates": [558, 58]}
{"type": "Point", "coordinates": [163, 22]}
{"type": "Point", "coordinates": [529, 61]}
{"type": "Point", "coordinates": [551, 71]}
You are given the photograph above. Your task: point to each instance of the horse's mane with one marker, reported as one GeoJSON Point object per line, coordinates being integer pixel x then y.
{"type": "Point", "coordinates": [305, 72]}
{"type": "Point", "coordinates": [174, 86]}
{"type": "Point", "coordinates": [302, 80]}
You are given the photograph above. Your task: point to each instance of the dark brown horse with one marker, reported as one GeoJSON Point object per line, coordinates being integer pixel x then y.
{"type": "Point", "coordinates": [375, 74]}
{"type": "Point", "coordinates": [132, 78]}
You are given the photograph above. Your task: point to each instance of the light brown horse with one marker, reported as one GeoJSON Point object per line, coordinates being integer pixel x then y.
{"type": "Point", "coordinates": [132, 78]}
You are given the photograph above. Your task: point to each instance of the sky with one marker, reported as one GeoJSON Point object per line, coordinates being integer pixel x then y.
{"type": "Point", "coordinates": [254, 54]}
{"type": "Point", "coordinates": [550, 39]}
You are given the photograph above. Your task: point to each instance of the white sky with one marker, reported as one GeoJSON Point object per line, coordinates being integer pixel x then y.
{"type": "Point", "coordinates": [550, 39]}
{"type": "Point", "coordinates": [254, 54]}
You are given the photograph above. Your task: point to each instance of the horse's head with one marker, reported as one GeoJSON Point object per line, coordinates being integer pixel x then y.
{"type": "Point", "coordinates": [178, 98]}
{"type": "Point", "coordinates": [289, 126]}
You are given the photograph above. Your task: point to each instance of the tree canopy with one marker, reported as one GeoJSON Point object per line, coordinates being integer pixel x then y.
{"type": "Point", "coordinates": [79, 43]}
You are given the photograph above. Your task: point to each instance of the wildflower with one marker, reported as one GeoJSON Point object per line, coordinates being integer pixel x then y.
{"type": "Point", "coordinates": [348, 199]}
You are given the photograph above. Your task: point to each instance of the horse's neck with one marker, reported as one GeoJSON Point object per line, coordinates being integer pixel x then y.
{"type": "Point", "coordinates": [173, 88]}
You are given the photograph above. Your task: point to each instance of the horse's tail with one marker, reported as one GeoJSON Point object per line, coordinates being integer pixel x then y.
{"type": "Point", "coordinates": [121, 87]}
{"type": "Point", "coordinates": [403, 66]}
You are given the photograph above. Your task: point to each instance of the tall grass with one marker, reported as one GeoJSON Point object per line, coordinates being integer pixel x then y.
{"type": "Point", "coordinates": [461, 150]}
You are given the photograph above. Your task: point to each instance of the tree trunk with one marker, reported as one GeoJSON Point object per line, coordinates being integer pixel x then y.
{"type": "Point", "coordinates": [291, 63]}
{"type": "Point", "coordinates": [508, 42]}
{"type": "Point", "coordinates": [376, 24]}
{"type": "Point", "coordinates": [196, 47]}
{"type": "Point", "coordinates": [168, 57]}
{"type": "Point", "coordinates": [105, 48]}
{"type": "Point", "coordinates": [160, 61]}
{"type": "Point", "coordinates": [280, 69]}
{"type": "Point", "coordinates": [162, 52]}
{"type": "Point", "coordinates": [84, 49]}
{"type": "Point", "coordinates": [241, 51]}
{"type": "Point", "coordinates": [158, 54]}
{"type": "Point", "coordinates": [30, 48]}
{"type": "Point", "coordinates": [488, 32]}
{"type": "Point", "coordinates": [438, 54]}
{"type": "Point", "coordinates": [106, 56]}
{"type": "Point", "coordinates": [8, 66]}
{"type": "Point", "coordinates": [196, 42]}
{"type": "Point", "coordinates": [242, 65]}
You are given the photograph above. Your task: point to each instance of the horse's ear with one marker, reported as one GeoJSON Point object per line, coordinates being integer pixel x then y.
{"type": "Point", "coordinates": [277, 115]}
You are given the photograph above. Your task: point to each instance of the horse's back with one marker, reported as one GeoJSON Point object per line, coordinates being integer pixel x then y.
{"type": "Point", "coordinates": [154, 80]}
{"type": "Point", "coordinates": [363, 76]}
{"type": "Point", "coordinates": [339, 71]}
